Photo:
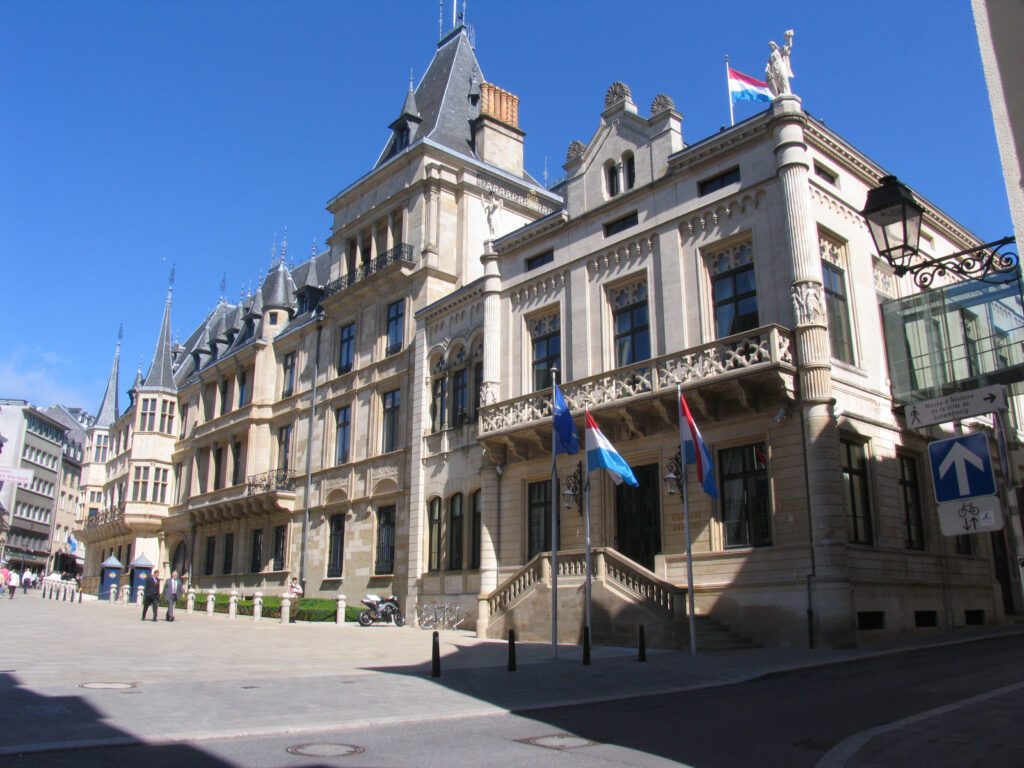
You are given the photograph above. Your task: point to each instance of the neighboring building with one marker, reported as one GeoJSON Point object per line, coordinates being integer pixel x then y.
{"type": "Point", "coordinates": [66, 554]}
{"type": "Point", "coordinates": [737, 268]}
{"type": "Point", "coordinates": [35, 442]}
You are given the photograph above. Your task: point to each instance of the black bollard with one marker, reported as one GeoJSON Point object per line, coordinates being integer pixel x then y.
{"type": "Point", "coordinates": [64, 594]}
{"type": "Point", "coordinates": [641, 654]}
{"type": "Point", "coordinates": [79, 597]}
{"type": "Point", "coordinates": [511, 650]}
{"type": "Point", "coordinates": [586, 646]}
{"type": "Point", "coordinates": [42, 591]}
{"type": "Point", "coordinates": [435, 657]}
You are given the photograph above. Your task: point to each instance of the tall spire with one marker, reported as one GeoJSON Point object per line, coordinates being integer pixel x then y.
{"type": "Point", "coordinates": [161, 370]}
{"type": "Point", "coordinates": [108, 412]}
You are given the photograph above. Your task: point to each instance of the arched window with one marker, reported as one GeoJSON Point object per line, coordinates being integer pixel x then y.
{"type": "Point", "coordinates": [611, 175]}
{"type": "Point", "coordinates": [434, 535]}
{"type": "Point", "coordinates": [455, 533]}
{"type": "Point", "coordinates": [459, 387]}
{"type": "Point", "coordinates": [438, 395]}
{"type": "Point", "coordinates": [629, 170]}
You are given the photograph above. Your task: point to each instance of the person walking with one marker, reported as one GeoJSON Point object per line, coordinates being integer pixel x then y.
{"type": "Point", "coordinates": [171, 589]}
{"type": "Point", "coordinates": [26, 581]}
{"type": "Point", "coordinates": [13, 582]}
{"type": "Point", "coordinates": [151, 595]}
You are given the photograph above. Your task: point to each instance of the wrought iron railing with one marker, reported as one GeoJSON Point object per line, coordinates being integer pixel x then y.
{"type": "Point", "coordinates": [401, 253]}
{"type": "Point", "coordinates": [112, 515]}
{"type": "Point", "coordinates": [268, 482]}
{"type": "Point", "coordinates": [760, 348]}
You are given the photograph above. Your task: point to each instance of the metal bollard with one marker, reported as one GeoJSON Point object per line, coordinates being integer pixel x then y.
{"type": "Point", "coordinates": [233, 604]}
{"type": "Point", "coordinates": [257, 607]}
{"type": "Point", "coordinates": [340, 616]}
{"type": "Point", "coordinates": [511, 650]}
{"type": "Point", "coordinates": [586, 646]}
{"type": "Point", "coordinates": [286, 607]}
{"type": "Point", "coordinates": [190, 601]}
{"type": "Point", "coordinates": [209, 602]}
{"type": "Point", "coordinates": [42, 592]}
{"type": "Point", "coordinates": [79, 597]}
{"type": "Point", "coordinates": [642, 645]}
{"type": "Point", "coordinates": [435, 656]}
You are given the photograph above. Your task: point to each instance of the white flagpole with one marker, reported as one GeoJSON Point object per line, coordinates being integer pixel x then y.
{"type": "Point", "coordinates": [586, 529]}
{"type": "Point", "coordinates": [732, 120]}
{"type": "Point", "coordinates": [554, 522]}
{"type": "Point", "coordinates": [683, 472]}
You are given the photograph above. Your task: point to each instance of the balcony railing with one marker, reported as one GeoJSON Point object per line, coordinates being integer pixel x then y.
{"type": "Point", "coordinates": [268, 482]}
{"type": "Point", "coordinates": [401, 253]}
{"type": "Point", "coordinates": [761, 348]}
{"type": "Point", "coordinates": [112, 515]}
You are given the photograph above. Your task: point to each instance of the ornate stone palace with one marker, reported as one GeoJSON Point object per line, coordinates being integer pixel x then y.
{"type": "Point", "coordinates": [378, 418]}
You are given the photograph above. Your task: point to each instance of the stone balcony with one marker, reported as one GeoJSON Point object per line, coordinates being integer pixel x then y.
{"type": "Point", "coordinates": [264, 493]}
{"type": "Point", "coordinates": [401, 254]}
{"type": "Point", "coordinates": [737, 374]}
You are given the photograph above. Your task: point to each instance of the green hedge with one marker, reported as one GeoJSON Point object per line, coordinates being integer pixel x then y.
{"type": "Point", "coordinates": [307, 608]}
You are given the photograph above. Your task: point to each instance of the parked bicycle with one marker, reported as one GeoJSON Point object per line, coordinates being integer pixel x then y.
{"type": "Point", "coordinates": [439, 616]}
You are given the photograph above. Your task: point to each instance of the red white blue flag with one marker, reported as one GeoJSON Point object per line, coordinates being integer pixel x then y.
{"type": "Point", "coordinates": [746, 88]}
{"type": "Point", "coordinates": [600, 453]}
{"type": "Point", "coordinates": [695, 450]}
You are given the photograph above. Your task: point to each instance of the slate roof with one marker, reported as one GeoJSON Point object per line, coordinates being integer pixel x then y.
{"type": "Point", "coordinates": [279, 289]}
{"type": "Point", "coordinates": [107, 414]}
{"type": "Point", "coordinates": [161, 370]}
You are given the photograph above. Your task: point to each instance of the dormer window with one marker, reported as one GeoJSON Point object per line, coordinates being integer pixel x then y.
{"type": "Point", "coordinates": [401, 139]}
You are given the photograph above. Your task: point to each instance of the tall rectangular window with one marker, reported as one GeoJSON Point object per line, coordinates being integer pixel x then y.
{"type": "Point", "coordinates": [343, 419]}
{"type": "Point", "coordinates": [478, 386]}
{"type": "Point", "coordinates": [167, 417]}
{"type": "Point", "coordinates": [160, 485]}
{"type": "Point", "coordinates": [631, 324]}
{"type": "Point", "coordinates": [460, 397]}
{"type": "Point", "coordinates": [385, 560]}
{"type": "Point", "coordinates": [546, 345]}
{"type": "Point", "coordinates": [910, 495]}
{"type": "Point", "coordinates": [336, 547]}
{"type": "Point", "coordinates": [284, 447]}
{"type": "Point", "coordinates": [211, 551]}
{"type": "Point", "coordinates": [218, 467]}
{"type": "Point", "coordinates": [746, 503]}
{"type": "Point", "coordinates": [140, 485]}
{"type": "Point", "coordinates": [256, 553]}
{"type": "Point", "coordinates": [434, 534]}
{"type": "Point", "coordinates": [971, 352]}
{"type": "Point", "coordinates": [838, 310]}
{"type": "Point", "coordinates": [147, 419]}
{"type": "Point", "coordinates": [229, 553]}
{"type": "Point", "coordinates": [392, 405]}
{"type": "Point", "coordinates": [288, 373]}
{"type": "Point", "coordinates": [242, 384]}
{"type": "Point", "coordinates": [237, 463]}
{"type": "Point", "coordinates": [855, 492]}
{"type": "Point", "coordinates": [396, 327]}
{"type": "Point", "coordinates": [184, 420]}
{"type": "Point", "coordinates": [280, 536]}
{"type": "Point", "coordinates": [735, 298]}
{"type": "Point", "coordinates": [455, 533]}
{"type": "Point", "coordinates": [476, 530]}
{"type": "Point", "coordinates": [538, 518]}
{"type": "Point", "coordinates": [347, 348]}
{"type": "Point", "coordinates": [438, 402]}
{"type": "Point", "coordinates": [225, 397]}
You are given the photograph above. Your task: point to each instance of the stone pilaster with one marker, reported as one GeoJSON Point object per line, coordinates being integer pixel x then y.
{"type": "Point", "coordinates": [491, 389]}
{"type": "Point", "coordinates": [831, 602]}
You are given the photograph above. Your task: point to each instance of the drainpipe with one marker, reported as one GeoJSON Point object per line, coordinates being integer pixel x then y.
{"type": "Point", "coordinates": [318, 315]}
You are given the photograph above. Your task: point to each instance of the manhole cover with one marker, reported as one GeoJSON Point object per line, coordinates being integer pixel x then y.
{"type": "Point", "coordinates": [325, 749]}
{"type": "Point", "coordinates": [559, 741]}
{"type": "Point", "coordinates": [107, 686]}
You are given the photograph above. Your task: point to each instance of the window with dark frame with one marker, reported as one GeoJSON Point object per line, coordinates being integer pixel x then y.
{"type": "Point", "coordinates": [533, 262]}
{"type": "Point", "coordinates": [478, 386]}
{"type": "Point", "coordinates": [629, 169]}
{"type": "Point", "coordinates": [855, 492]}
{"type": "Point", "coordinates": [280, 536]}
{"type": "Point", "coordinates": [256, 553]}
{"type": "Point", "coordinates": [460, 397]}
{"type": "Point", "coordinates": [538, 528]}
{"type": "Point", "coordinates": [746, 499]}
{"type": "Point", "coordinates": [546, 344]}
{"type": "Point", "coordinates": [385, 560]}
{"type": "Point", "coordinates": [225, 397]}
{"type": "Point", "coordinates": [455, 542]}
{"type": "Point", "coordinates": [218, 467]}
{"type": "Point", "coordinates": [237, 463]}
{"type": "Point", "coordinates": [631, 325]}
{"type": "Point", "coordinates": [284, 447]}
{"type": "Point", "coordinates": [611, 178]}
{"type": "Point", "coordinates": [434, 534]}
{"type": "Point", "coordinates": [396, 327]}
{"type": "Point", "coordinates": [476, 530]}
{"type": "Point", "coordinates": [288, 369]}
{"type": "Point", "coordinates": [211, 553]}
{"type": "Point", "coordinates": [717, 182]}
{"type": "Point", "coordinates": [336, 547]}
{"type": "Point", "coordinates": [910, 495]}
{"type": "Point", "coordinates": [346, 348]}
{"type": "Point", "coordinates": [343, 421]}
{"type": "Point", "coordinates": [734, 294]}
{"type": "Point", "coordinates": [621, 224]}
{"type": "Point", "coordinates": [438, 401]}
{"type": "Point", "coordinates": [838, 311]}
{"type": "Point", "coordinates": [229, 553]}
{"type": "Point", "coordinates": [392, 406]}
{"type": "Point", "coordinates": [243, 388]}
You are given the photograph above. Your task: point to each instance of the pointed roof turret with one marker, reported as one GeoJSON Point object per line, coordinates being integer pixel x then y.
{"type": "Point", "coordinates": [278, 289]}
{"type": "Point", "coordinates": [107, 414]}
{"type": "Point", "coordinates": [161, 370]}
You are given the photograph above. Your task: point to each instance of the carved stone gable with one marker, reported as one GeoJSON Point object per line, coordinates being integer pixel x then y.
{"type": "Point", "coordinates": [731, 257]}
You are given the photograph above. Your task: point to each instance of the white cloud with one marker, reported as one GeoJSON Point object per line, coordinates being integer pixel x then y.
{"type": "Point", "coordinates": [41, 376]}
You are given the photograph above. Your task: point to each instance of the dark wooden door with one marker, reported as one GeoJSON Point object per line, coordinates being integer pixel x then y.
{"type": "Point", "coordinates": [638, 517]}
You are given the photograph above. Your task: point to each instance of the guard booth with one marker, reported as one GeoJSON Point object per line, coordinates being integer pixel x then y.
{"type": "Point", "coordinates": [140, 570]}
{"type": "Point", "coordinates": [110, 576]}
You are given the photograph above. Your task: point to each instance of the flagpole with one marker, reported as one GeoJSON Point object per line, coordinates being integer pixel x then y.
{"type": "Point", "coordinates": [683, 472]}
{"type": "Point", "coordinates": [586, 530]}
{"type": "Point", "coordinates": [554, 523]}
{"type": "Point", "coordinates": [732, 120]}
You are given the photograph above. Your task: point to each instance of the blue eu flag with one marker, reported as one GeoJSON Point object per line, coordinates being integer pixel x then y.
{"type": "Point", "coordinates": [566, 438]}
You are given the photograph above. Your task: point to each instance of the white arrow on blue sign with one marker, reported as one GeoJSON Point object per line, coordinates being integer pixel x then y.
{"type": "Point", "coordinates": [961, 467]}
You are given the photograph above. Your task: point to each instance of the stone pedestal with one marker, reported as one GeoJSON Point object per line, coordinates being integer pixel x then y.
{"type": "Point", "coordinates": [340, 616]}
{"type": "Point", "coordinates": [286, 608]}
{"type": "Point", "coordinates": [209, 602]}
{"type": "Point", "coordinates": [257, 607]}
{"type": "Point", "coordinates": [190, 601]}
{"type": "Point", "coordinates": [233, 604]}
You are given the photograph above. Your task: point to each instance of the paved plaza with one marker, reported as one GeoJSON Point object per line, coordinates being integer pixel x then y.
{"type": "Point", "coordinates": [92, 674]}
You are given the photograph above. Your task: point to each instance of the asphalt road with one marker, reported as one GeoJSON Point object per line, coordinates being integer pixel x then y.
{"type": "Point", "coordinates": [789, 719]}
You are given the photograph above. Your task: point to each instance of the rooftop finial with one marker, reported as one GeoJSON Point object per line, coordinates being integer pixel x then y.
{"type": "Point", "coordinates": [170, 280]}
{"type": "Point", "coordinates": [120, 332]}
{"type": "Point", "coordinates": [273, 250]}
{"type": "Point", "coordinates": [410, 78]}
{"type": "Point", "coordinates": [223, 284]}
{"type": "Point", "coordinates": [313, 249]}
{"type": "Point", "coordinates": [284, 245]}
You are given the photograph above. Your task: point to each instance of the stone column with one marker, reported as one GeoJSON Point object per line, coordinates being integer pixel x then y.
{"type": "Point", "coordinates": [490, 513]}
{"type": "Point", "coordinates": [491, 388]}
{"type": "Point", "coordinates": [813, 351]}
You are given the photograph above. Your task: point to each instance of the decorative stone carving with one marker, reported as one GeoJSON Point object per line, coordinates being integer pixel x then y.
{"type": "Point", "coordinates": [808, 303]}
{"type": "Point", "coordinates": [617, 91]}
{"type": "Point", "coordinates": [542, 326]}
{"type": "Point", "coordinates": [832, 251]}
{"type": "Point", "coordinates": [527, 198]}
{"type": "Point", "coordinates": [778, 70]}
{"type": "Point", "coordinates": [731, 257]}
{"type": "Point", "coordinates": [627, 295]}
{"type": "Point", "coordinates": [492, 209]}
{"type": "Point", "coordinates": [575, 150]}
{"type": "Point", "coordinates": [489, 393]}
{"type": "Point", "coordinates": [885, 282]}
{"type": "Point", "coordinates": [662, 103]}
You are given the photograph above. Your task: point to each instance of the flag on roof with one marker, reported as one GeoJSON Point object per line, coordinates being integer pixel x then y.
{"type": "Point", "coordinates": [600, 453]}
{"type": "Point", "coordinates": [746, 88]}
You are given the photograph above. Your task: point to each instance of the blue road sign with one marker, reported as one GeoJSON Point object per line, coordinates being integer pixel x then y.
{"type": "Point", "coordinates": [961, 467]}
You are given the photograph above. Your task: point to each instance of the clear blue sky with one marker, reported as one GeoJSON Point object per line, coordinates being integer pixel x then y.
{"type": "Point", "coordinates": [134, 135]}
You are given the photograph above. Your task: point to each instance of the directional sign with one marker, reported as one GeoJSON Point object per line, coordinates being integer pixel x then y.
{"type": "Point", "coordinates": [961, 467]}
{"type": "Point", "coordinates": [978, 515]}
{"type": "Point", "coordinates": [959, 405]}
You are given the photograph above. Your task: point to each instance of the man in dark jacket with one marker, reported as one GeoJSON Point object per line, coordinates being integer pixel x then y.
{"type": "Point", "coordinates": [151, 594]}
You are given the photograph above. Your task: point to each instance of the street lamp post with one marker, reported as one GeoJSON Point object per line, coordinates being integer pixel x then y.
{"type": "Point", "coordinates": [318, 315]}
{"type": "Point", "coordinates": [675, 480]}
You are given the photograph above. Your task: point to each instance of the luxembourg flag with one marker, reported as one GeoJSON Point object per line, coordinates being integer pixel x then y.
{"type": "Point", "coordinates": [746, 88]}
{"type": "Point", "coordinates": [695, 450]}
{"type": "Point", "coordinates": [600, 453]}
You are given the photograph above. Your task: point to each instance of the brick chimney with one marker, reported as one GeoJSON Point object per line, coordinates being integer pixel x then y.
{"type": "Point", "coordinates": [496, 135]}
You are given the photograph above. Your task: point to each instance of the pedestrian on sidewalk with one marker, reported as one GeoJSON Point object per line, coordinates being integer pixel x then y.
{"type": "Point", "coordinates": [26, 581]}
{"type": "Point", "coordinates": [151, 595]}
{"type": "Point", "coordinates": [13, 582]}
{"type": "Point", "coordinates": [172, 587]}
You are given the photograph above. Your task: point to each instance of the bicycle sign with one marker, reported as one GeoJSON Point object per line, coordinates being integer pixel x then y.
{"type": "Point", "coordinates": [977, 515]}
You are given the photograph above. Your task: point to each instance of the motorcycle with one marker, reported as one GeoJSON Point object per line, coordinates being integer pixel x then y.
{"type": "Point", "coordinates": [380, 609]}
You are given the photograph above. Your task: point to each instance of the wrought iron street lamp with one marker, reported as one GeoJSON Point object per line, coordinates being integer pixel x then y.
{"type": "Point", "coordinates": [894, 219]}
{"type": "Point", "coordinates": [674, 475]}
{"type": "Point", "coordinates": [572, 494]}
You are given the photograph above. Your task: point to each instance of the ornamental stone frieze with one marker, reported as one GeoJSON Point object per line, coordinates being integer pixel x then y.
{"type": "Point", "coordinates": [710, 218]}
{"type": "Point", "coordinates": [545, 286]}
{"type": "Point", "coordinates": [621, 254]}
{"type": "Point", "coordinates": [526, 198]}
